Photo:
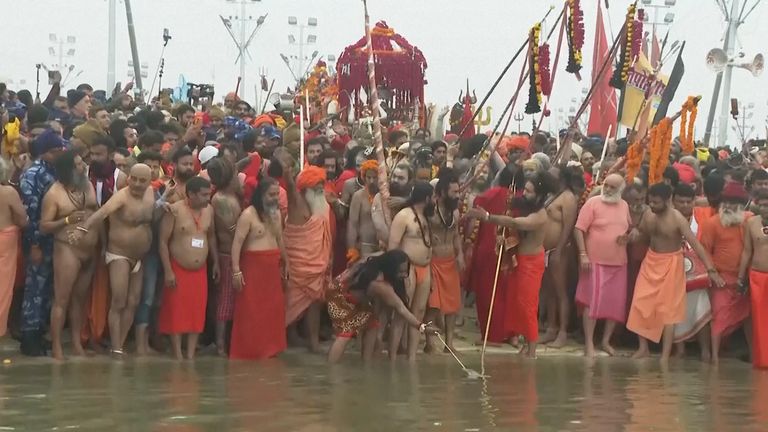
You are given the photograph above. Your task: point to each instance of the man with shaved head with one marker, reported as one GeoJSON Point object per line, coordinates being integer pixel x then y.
{"type": "Point", "coordinates": [130, 212]}
{"type": "Point", "coordinates": [601, 236]}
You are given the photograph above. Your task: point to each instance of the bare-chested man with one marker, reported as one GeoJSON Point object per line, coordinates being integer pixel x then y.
{"type": "Point", "coordinates": [183, 170]}
{"type": "Point", "coordinates": [13, 217]}
{"type": "Point", "coordinates": [411, 233]}
{"type": "Point", "coordinates": [447, 257]}
{"type": "Point", "coordinates": [562, 212]}
{"type": "Point", "coordinates": [226, 210]}
{"type": "Point", "coordinates": [361, 234]}
{"type": "Point", "coordinates": [259, 266]}
{"type": "Point", "coordinates": [69, 202]}
{"type": "Point", "coordinates": [187, 239]}
{"type": "Point", "coordinates": [524, 281]}
{"type": "Point", "coordinates": [753, 276]}
{"type": "Point", "coordinates": [400, 182]}
{"type": "Point", "coordinates": [130, 213]}
{"type": "Point", "coordinates": [659, 298]}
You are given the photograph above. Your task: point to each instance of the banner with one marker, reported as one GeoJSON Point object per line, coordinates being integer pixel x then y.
{"type": "Point", "coordinates": [640, 81]}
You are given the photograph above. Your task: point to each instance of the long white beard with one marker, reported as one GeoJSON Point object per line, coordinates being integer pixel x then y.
{"type": "Point", "coordinates": [610, 198]}
{"type": "Point", "coordinates": [731, 218]}
{"type": "Point", "coordinates": [316, 202]}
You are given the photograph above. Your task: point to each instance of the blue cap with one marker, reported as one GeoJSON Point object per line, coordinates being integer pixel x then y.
{"type": "Point", "coordinates": [269, 132]}
{"type": "Point", "coordinates": [47, 141]}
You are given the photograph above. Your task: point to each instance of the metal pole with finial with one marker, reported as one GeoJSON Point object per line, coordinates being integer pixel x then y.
{"type": "Point", "coordinates": [374, 99]}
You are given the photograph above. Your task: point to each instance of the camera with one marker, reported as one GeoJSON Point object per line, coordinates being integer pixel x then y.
{"type": "Point", "coordinates": [195, 92]}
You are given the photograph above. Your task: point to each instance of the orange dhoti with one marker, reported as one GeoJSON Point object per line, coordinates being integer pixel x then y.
{"type": "Point", "coordinates": [446, 288]}
{"type": "Point", "coordinates": [659, 297]}
{"type": "Point", "coordinates": [97, 305]}
{"type": "Point", "coordinates": [521, 315]}
{"type": "Point", "coordinates": [729, 307]}
{"type": "Point", "coordinates": [308, 248]}
{"type": "Point", "coordinates": [183, 307]}
{"type": "Point", "coordinates": [758, 294]}
{"type": "Point", "coordinates": [9, 253]}
{"type": "Point", "coordinates": [258, 324]}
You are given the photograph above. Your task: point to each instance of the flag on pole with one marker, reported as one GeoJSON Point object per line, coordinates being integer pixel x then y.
{"type": "Point", "coordinates": [602, 107]}
{"type": "Point", "coordinates": [641, 82]}
{"type": "Point", "coordinates": [669, 92]}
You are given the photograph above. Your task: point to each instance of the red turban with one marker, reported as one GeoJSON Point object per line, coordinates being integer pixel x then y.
{"type": "Point", "coordinates": [734, 191]}
{"type": "Point", "coordinates": [518, 142]}
{"type": "Point", "coordinates": [451, 138]}
{"type": "Point", "coordinates": [261, 120]}
{"type": "Point", "coordinates": [686, 172]}
{"type": "Point", "coordinates": [310, 177]}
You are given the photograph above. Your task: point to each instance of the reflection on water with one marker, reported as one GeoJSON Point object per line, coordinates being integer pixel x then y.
{"type": "Point", "coordinates": [302, 393]}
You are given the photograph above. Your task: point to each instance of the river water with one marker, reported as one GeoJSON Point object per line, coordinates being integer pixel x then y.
{"type": "Point", "coordinates": [300, 392]}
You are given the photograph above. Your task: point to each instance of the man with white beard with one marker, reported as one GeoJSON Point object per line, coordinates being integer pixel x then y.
{"type": "Point", "coordinates": [307, 239]}
{"type": "Point", "coordinates": [722, 236]}
{"type": "Point", "coordinates": [601, 236]}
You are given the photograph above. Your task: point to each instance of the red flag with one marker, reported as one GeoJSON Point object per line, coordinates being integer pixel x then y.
{"type": "Point", "coordinates": [603, 107]}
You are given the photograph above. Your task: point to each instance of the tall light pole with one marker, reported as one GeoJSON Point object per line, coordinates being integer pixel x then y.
{"type": "Point", "coordinates": [134, 49]}
{"type": "Point", "coordinates": [299, 71]}
{"type": "Point", "coordinates": [242, 42]}
{"type": "Point", "coordinates": [111, 41]}
{"type": "Point", "coordinates": [735, 17]}
{"type": "Point", "coordinates": [62, 48]}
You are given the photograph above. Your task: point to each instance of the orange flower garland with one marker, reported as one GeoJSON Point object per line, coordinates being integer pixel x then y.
{"type": "Point", "coordinates": [634, 160]}
{"type": "Point", "coordinates": [661, 141]}
{"type": "Point", "coordinates": [686, 133]}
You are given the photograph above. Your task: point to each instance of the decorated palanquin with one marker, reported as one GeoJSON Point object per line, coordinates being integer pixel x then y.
{"type": "Point", "coordinates": [322, 90]}
{"type": "Point", "coordinates": [400, 69]}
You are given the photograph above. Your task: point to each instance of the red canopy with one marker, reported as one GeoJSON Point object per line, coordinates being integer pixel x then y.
{"type": "Point", "coordinates": [400, 70]}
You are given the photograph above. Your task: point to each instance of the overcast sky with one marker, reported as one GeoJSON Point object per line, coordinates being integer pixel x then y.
{"type": "Point", "coordinates": [460, 39]}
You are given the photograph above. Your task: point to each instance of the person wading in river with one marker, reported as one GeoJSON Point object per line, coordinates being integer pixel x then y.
{"type": "Point", "coordinates": [361, 233]}
{"type": "Point", "coordinates": [562, 211]}
{"type": "Point", "coordinates": [358, 296]}
{"type": "Point", "coordinates": [12, 219]}
{"type": "Point", "coordinates": [226, 210]}
{"type": "Point", "coordinates": [258, 323]}
{"type": "Point", "coordinates": [410, 232]}
{"type": "Point", "coordinates": [130, 212]}
{"type": "Point", "coordinates": [753, 276]}
{"type": "Point", "coordinates": [307, 238]}
{"type": "Point", "coordinates": [658, 302]}
{"type": "Point", "coordinates": [524, 282]}
{"type": "Point", "coordinates": [187, 237]}
{"type": "Point", "coordinates": [601, 236]}
{"type": "Point", "coordinates": [447, 257]}
{"type": "Point", "coordinates": [69, 202]}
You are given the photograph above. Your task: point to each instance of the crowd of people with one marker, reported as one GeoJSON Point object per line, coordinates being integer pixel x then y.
{"type": "Point", "coordinates": [125, 221]}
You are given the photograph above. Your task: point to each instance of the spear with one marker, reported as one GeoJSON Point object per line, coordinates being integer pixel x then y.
{"type": "Point", "coordinates": [374, 99]}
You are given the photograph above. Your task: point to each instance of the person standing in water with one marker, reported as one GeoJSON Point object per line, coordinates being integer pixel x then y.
{"type": "Point", "coordinates": [358, 296]}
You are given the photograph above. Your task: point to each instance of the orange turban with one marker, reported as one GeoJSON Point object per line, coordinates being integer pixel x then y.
{"type": "Point", "coordinates": [369, 165]}
{"type": "Point", "coordinates": [310, 177]}
{"type": "Point", "coordinates": [518, 142]}
{"type": "Point", "coordinates": [261, 120]}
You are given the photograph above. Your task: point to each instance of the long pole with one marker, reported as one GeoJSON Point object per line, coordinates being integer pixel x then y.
{"type": "Point", "coordinates": [733, 26]}
{"type": "Point", "coordinates": [134, 49]}
{"type": "Point", "coordinates": [490, 308]}
{"type": "Point", "coordinates": [242, 49]}
{"type": "Point", "coordinates": [111, 45]}
{"type": "Point", "coordinates": [377, 141]}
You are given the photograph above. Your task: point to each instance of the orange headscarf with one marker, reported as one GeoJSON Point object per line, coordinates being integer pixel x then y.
{"type": "Point", "coordinates": [518, 142]}
{"type": "Point", "coordinates": [369, 165]}
{"type": "Point", "coordinates": [310, 177]}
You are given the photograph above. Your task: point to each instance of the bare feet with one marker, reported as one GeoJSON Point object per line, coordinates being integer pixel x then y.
{"type": "Point", "coordinates": [560, 340]}
{"type": "Point", "coordinates": [679, 351]}
{"type": "Point", "coordinates": [607, 348]}
{"type": "Point", "coordinates": [706, 357]}
{"type": "Point", "coordinates": [430, 349]}
{"type": "Point", "coordinates": [57, 354]}
{"type": "Point", "coordinates": [641, 354]}
{"type": "Point", "coordinates": [589, 351]}
{"type": "Point", "coordinates": [549, 336]}
{"type": "Point", "coordinates": [514, 341]}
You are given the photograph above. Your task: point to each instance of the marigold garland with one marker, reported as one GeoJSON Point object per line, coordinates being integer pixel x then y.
{"type": "Point", "coordinates": [621, 72]}
{"type": "Point", "coordinates": [661, 142]}
{"type": "Point", "coordinates": [634, 160]}
{"type": "Point", "coordinates": [575, 36]}
{"type": "Point", "coordinates": [534, 77]}
{"type": "Point", "coordinates": [686, 133]}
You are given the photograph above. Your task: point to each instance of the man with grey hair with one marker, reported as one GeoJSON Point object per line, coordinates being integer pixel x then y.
{"type": "Point", "coordinates": [601, 236]}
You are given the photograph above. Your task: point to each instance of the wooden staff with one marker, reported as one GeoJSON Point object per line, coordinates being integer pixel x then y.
{"type": "Point", "coordinates": [301, 138]}
{"type": "Point", "coordinates": [374, 99]}
{"type": "Point", "coordinates": [605, 149]}
{"type": "Point", "coordinates": [490, 309]}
